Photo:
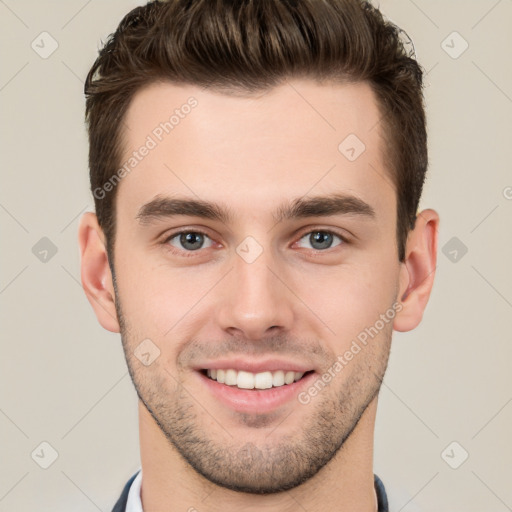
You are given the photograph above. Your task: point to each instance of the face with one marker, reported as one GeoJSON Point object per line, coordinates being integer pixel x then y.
{"type": "Point", "coordinates": [255, 245]}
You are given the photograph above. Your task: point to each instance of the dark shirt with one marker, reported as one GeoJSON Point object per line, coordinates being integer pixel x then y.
{"type": "Point", "coordinates": [382, 498]}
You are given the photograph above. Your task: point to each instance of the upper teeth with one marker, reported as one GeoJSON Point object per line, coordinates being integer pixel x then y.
{"type": "Point", "coordinates": [248, 380]}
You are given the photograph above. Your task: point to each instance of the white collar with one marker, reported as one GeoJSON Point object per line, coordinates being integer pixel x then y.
{"type": "Point", "coordinates": [134, 503]}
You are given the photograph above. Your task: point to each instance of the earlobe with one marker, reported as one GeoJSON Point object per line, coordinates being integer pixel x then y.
{"type": "Point", "coordinates": [417, 271]}
{"type": "Point", "coordinates": [95, 272]}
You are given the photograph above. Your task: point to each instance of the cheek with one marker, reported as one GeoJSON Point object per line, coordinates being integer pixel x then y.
{"type": "Point", "coordinates": [341, 299]}
{"type": "Point", "coordinates": [350, 298]}
{"type": "Point", "coordinates": [158, 300]}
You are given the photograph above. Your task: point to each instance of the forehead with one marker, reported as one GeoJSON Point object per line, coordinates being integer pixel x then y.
{"type": "Point", "coordinates": [254, 151]}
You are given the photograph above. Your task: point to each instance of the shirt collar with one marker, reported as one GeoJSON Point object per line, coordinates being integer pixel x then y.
{"type": "Point", "coordinates": [134, 503]}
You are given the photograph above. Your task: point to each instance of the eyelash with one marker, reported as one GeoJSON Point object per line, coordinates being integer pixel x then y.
{"type": "Point", "coordinates": [191, 254]}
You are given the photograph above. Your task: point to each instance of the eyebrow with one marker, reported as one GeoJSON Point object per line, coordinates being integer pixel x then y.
{"type": "Point", "coordinates": [302, 207]}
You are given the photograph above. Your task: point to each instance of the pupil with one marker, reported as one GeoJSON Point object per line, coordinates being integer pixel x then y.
{"type": "Point", "coordinates": [195, 239]}
{"type": "Point", "coordinates": [321, 237]}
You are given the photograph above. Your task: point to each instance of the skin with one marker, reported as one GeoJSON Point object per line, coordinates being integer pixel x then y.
{"type": "Point", "coordinates": [253, 154]}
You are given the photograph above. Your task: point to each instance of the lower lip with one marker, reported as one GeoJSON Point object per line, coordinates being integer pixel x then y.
{"type": "Point", "coordinates": [255, 400]}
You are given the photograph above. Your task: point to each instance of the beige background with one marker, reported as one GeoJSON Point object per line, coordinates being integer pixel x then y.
{"type": "Point", "coordinates": [64, 379]}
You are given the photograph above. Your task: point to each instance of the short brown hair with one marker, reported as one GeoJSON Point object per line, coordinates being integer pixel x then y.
{"type": "Point", "coordinates": [251, 46]}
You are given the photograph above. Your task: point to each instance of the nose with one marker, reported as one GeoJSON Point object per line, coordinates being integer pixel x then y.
{"type": "Point", "coordinates": [255, 300]}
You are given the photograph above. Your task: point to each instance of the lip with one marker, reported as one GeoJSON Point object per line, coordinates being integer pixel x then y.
{"type": "Point", "coordinates": [254, 400]}
{"type": "Point", "coordinates": [271, 365]}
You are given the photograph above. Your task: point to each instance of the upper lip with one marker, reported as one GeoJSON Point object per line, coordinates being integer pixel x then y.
{"type": "Point", "coordinates": [253, 366]}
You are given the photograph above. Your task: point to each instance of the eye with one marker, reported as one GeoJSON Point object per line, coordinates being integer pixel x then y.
{"type": "Point", "coordinates": [188, 240]}
{"type": "Point", "coordinates": [321, 239]}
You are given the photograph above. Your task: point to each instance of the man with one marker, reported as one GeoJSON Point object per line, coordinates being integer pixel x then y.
{"type": "Point", "coordinates": [257, 168]}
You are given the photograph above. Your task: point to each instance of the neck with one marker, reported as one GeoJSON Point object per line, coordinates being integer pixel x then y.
{"type": "Point", "coordinates": [344, 484]}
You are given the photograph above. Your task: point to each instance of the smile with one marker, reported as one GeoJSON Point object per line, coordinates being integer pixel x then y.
{"type": "Point", "coordinates": [254, 393]}
{"type": "Point", "coordinates": [248, 380]}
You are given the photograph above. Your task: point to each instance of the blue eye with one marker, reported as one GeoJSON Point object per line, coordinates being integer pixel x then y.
{"type": "Point", "coordinates": [186, 243]}
{"type": "Point", "coordinates": [189, 240]}
{"type": "Point", "coordinates": [321, 239]}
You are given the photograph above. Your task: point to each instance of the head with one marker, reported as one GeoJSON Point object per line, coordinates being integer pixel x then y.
{"type": "Point", "coordinates": [286, 142]}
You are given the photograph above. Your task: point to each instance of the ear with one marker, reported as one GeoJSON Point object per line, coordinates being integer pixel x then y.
{"type": "Point", "coordinates": [417, 271]}
{"type": "Point", "coordinates": [95, 272]}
